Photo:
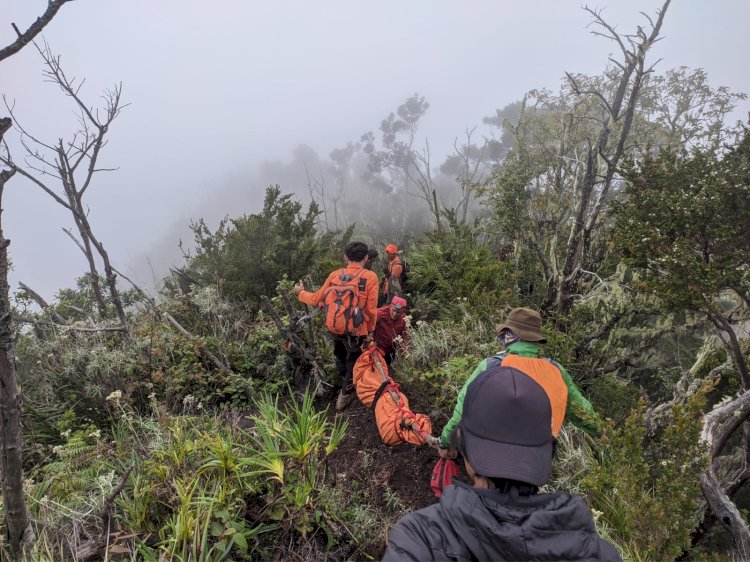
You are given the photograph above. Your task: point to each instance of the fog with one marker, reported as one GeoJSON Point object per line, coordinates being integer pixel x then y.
{"type": "Point", "coordinates": [222, 96]}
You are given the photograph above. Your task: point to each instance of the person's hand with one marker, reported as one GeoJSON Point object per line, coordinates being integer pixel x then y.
{"type": "Point", "coordinates": [447, 453]}
{"type": "Point", "coordinates": [299, 286]}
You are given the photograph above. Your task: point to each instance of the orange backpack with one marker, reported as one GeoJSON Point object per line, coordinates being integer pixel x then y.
{"type": "Point", "coordinates": [341, 303]}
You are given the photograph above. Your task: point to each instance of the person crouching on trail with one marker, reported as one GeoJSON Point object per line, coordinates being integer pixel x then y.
{"type": "Point", "coordinates": [521, 336]}
{"type": "Point", "coordinates": [506, 438]}
{"type": "Point", "coordinates": [392, 272]}
{"type": "Point", "coordinates": [390, 327]}
{"type": "Point", "coordinates": [349, 300]}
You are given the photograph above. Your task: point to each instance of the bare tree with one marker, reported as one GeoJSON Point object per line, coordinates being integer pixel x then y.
{"type": "Point", "coordinates": [20, 531]}
{"type": "Point", "coordinates": [399, 158]}
{"type": "Point", "coordinates": [72, 164]}
{"type": "Point", "coordinates": [471, 166]}
{"type": "Point", "coordinates": [603, 156]}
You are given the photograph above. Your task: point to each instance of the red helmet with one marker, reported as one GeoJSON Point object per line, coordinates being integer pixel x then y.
{"type": "Point", "coordinates": [391, 249]}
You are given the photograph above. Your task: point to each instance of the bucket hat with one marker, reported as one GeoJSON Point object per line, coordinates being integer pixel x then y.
{"type": "Point", "coordinates": [525, 323]}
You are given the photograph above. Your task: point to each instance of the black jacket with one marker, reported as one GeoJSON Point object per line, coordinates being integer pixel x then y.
{"type": "Point", "coordinates": [473, 524]}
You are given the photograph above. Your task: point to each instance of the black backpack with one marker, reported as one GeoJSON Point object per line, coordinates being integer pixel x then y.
{"type": "Point", "coordinates": [405, 270]}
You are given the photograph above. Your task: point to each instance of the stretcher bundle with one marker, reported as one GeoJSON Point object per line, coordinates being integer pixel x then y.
{"type": "Point", "coordinates": [376, 389]}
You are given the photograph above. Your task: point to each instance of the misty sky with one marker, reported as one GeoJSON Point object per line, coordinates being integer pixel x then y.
{"type": "Point", "coordinates": [217, 88]}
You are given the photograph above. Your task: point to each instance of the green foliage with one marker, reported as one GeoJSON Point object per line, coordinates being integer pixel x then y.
{"type": "Point", "coordinates": [239, 488]}
{"type": "Point", "coordinates": [247, 256]}
{"type": "Point", "coordinates": [66, 494]}
{"type": "Point", "coordinates": [445, 380]}
{"type": "Point", "coordinates": [452, 270]}
{"type": "Point", "coordinates": [66, 371]}
{"type": "Point", "coordinates": [645, 487]}
{"type": "Point", "coordinates": [685, 110]}
{"type": "Point", "coordinates": [686, 225]}
{"type": "Point", "coordinates": [194, 481]}
{"type": "Point", "coordinates": [536, 191]}
{"type": "Point", "coordinates": [612, 396]}
{"type": "Point", "coordinates": [442, 354]}
{"type": "Point", "coordinates": [432, 343]}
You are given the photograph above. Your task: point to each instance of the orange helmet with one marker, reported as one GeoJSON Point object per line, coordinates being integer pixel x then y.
{"type": "Point", "coordinates": [391, 249]}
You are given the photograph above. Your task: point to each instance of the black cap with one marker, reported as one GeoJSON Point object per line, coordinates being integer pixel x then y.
{"type": "Point", "coordinates": [507, 427]}
{"type": "Point", "coordinates": [372, 253]}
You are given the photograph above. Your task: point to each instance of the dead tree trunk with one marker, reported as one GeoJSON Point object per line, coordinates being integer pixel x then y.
{"type": "Point", "coordinates": [85, 246]}
{"type": "Point", "coordinates": [718, 426]}
{"type": "Point", "coordinates": [11, 438]}
{"type": "Point", "coordinates": [20, 531]}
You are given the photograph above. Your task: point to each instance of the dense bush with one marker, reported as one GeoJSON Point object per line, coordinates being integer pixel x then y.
{"type": "Point", "coordinates": [200, 489]}
{"type": "Point", "coordinates": [247, 256]}
{"type": "Point", "coordinates": [451, 270]}
{"type": "Point", "coordinates": [642, 487]}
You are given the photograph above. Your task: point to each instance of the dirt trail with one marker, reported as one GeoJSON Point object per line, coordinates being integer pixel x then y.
{"type": "Point", "coordinates": [404, 469]}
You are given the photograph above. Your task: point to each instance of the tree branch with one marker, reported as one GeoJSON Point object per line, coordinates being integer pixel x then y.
{"type": "Point", "coordinates": [44, 305]}
{"type": "Point", "coordinates": [214, 359]}
{"type": "Point", "coordinates": [24, 38]}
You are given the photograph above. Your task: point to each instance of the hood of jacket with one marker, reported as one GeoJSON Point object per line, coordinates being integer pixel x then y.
{"type": "Point", "coordinates": [474, 524]}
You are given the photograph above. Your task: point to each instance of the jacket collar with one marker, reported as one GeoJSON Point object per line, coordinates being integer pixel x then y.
{"type": "Point", "coordinates": [524, 349]}
{"type": "Point", "coordinates": [353, 267]}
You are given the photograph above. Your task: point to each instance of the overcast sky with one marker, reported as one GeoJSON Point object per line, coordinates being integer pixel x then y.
{"type": "Point", "coordinates": [217, 88]}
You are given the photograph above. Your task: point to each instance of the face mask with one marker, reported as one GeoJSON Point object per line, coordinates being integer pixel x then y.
{"type": "Point", "coordinates": [507, 337]}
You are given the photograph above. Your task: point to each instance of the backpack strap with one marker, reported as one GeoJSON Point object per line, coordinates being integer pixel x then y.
{"type": "Point", "coordinates": [555, 363]}
{"type": "Point", "coordinates": [498, 357]}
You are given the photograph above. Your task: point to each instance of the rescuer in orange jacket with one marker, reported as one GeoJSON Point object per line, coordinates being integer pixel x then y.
{"type": "Point", "coordinates": [392, 273]}
{"type": "Point", "coordinates": [347, 346]}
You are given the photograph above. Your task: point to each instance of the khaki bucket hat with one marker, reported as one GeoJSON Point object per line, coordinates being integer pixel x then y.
{"type": "Point", "coordinates": [525, 323]}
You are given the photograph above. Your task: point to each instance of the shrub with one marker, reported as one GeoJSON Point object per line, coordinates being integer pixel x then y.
{"type": "Point", "coordinates": [245, 257]}
{"type": "Point", "coordinates": [451, 267]}
{"type": "Point", "coordinates": [645, 487]}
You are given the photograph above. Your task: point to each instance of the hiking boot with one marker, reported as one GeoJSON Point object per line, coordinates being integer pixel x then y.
{"type": "Point", "coordinates": [344, 400]}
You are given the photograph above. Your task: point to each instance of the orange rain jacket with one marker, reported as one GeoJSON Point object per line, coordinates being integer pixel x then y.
{"type": "Point", "coordinates": [368, 301]}
{"type": "Point", "coordinates": [395, 269]}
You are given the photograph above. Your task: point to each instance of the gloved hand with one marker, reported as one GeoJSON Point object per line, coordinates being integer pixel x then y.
{"type": "Point", "coordinates": [447, 453]}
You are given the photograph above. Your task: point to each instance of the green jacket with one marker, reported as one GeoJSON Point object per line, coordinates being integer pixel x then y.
{"type": "Point", "coordinates": [579, 410]}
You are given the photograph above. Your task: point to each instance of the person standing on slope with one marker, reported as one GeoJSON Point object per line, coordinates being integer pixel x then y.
{"type": "Point", "coordinates": [392, 273]}
{"type": "Point", "coordinates": [349, 301]}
